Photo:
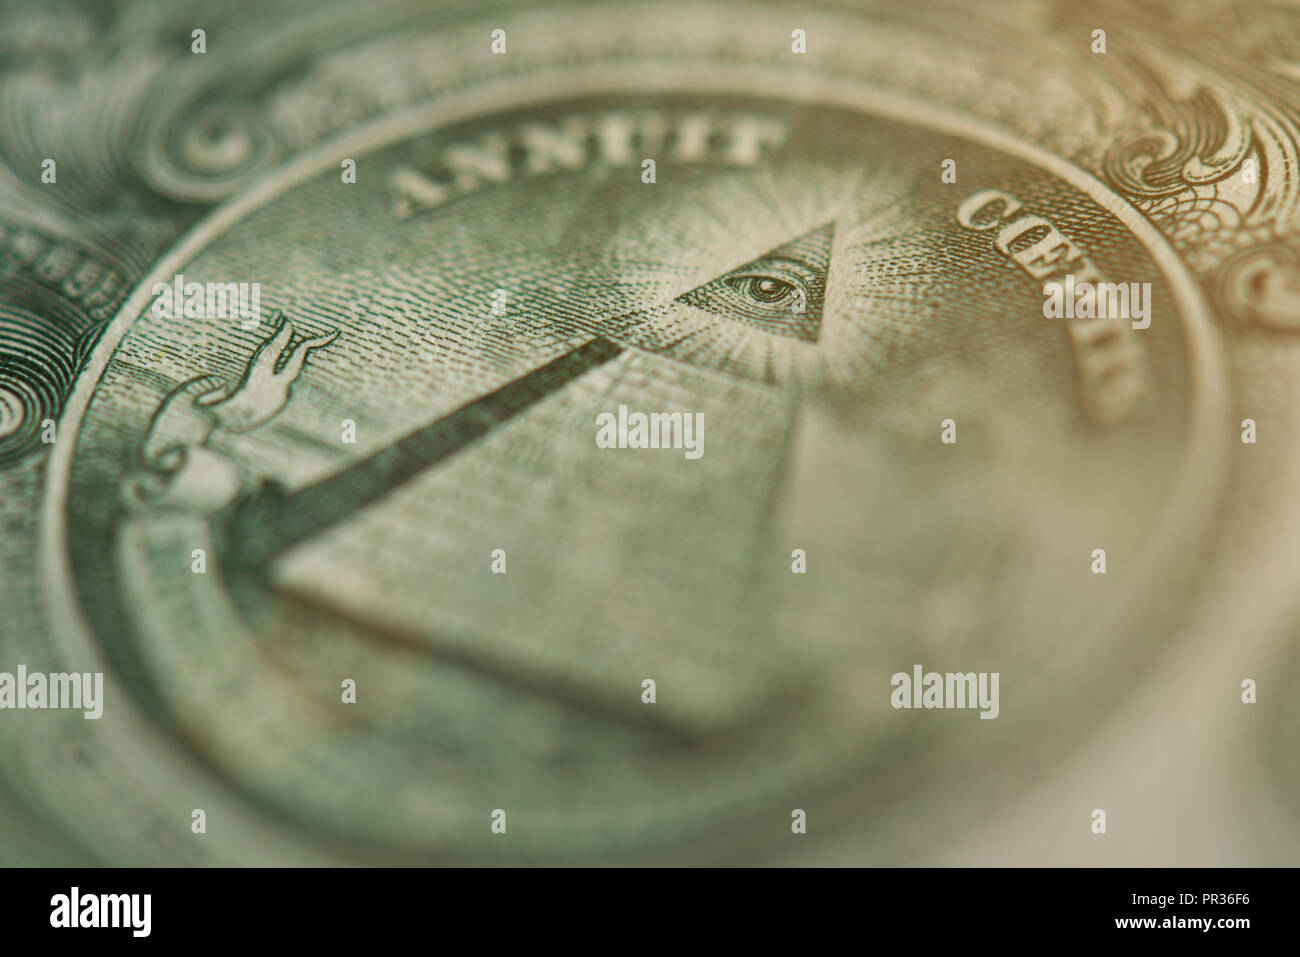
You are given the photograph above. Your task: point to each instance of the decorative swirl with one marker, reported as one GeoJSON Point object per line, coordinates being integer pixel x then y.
{"type": "Point", "coordinates": [1193, 141]}
{"type": "Point", "coordinates": [36, 370]}
{"type": "Point", "coordinates": [204, 153]}
{"type": "Point", "coordinates": [1262, 286]}
{"type": "Point", "coordinates": [54, 300]}
{"type": "Point", "coordinates": [23, 404]}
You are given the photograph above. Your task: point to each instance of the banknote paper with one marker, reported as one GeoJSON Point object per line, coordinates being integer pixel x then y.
{"type": "Point", "coordinates": [649, 433]}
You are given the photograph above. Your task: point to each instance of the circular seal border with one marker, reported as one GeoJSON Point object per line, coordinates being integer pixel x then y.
{"type": "Point", "coordinates": [1202, 470]}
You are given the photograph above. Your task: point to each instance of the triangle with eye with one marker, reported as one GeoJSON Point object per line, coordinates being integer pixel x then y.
{"type": "Point", "coordinates": [781, 292]}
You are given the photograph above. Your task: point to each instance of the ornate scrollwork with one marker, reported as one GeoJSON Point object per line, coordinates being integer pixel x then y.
{"type": "Point", "coordinates": [1189, 142]}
